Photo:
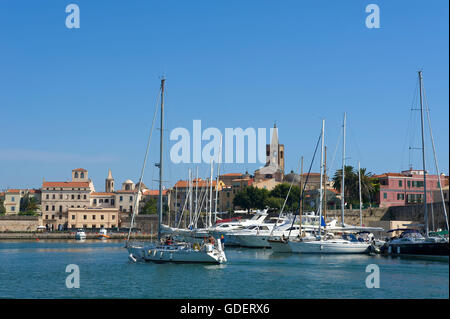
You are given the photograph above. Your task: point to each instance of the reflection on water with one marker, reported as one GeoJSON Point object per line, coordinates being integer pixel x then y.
{"type": "Point", "coordinates": [249, 273]}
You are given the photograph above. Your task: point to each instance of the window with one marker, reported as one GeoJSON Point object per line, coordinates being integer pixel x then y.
{"type": "Point", "coordinates": [73, 226]}
{"type": "Point", "coordinates": [76, 174]}
{"type": "Point", "coordinates": [100, 200]}
{"type": "Point", "coordinates": [113, 217]}
{"type": "Point", "coordinates": [102, 216]}
{"type": "Point", "coordinates": [131, 198]}
{"type": "Point", "coordinates": [47, 196]}
{"type": "Point", "coordinates": [73, 196]}
{"type": "Point", "coordinates": [409, 184]}
{"type": "Point", "coordinates": [400, 196]}
{"type": "Point", "coordinates": [60, 208]}
{"type": "Point", "coordinates": [94, 226]}
{"type": "Point", "coordinates": [400, 183]}
{"type": "Point", "coordinates": [95, 200]}
{"type": "Point", "coordinates": [13, 208]}
{"type": "Point", "coordinates": [106, 200]}
{"type": "Point", "coordinates": [46, 216]}
{"type": "Point", "coordinates": [82, 175]}
{"type": "Point", "coordinates": [93, 217]}
{"type": "Point", "coordinates": [120, 208]}
{"type": "Point", "coordinates": [84, 216]}
{"type": "Point", "coordinates": [46, 208]}
{"type": "Point", "coordinates": [73, 216]}
{"type": "Point", "coordinates": [84, 196]}
{"type": "Point", "coordinates": [53, 196]}
{"type": "Point", "coordinates": [79, 196]}
{"type": "Point", "coordinates": [60, 216]}
{"type": "Point", "coordinates": [385, 195]}
{"type": "Point", "coordinates": [120, 198]}
{"type": "Point", "coordinates": [53, 207]}
{"type": "Point", "coordinates": [60, 196]}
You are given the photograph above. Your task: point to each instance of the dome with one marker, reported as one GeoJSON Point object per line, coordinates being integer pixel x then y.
{"type": "Point", "coordinates": [128, 181]}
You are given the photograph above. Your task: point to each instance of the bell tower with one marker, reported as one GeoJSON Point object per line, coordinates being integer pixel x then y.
{"type": "Point", "coordinates": [109, 183]}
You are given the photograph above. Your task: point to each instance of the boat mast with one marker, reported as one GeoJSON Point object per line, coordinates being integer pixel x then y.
{"type": "Point", "coordinates": [210, 194]}
{"type": "Point", "coordinates": [423, 157]}
{"type": "Point", "coordinates": [217, 179]}
{"type": "Point", "coordinates": [325, 191]}
{"type": "Point", "coordinates": [196, 198]}
{"type": "Point", "coordinates": [301, 198]}
{"type": "Point", "coordinates": [190, 198]}
{"type": "Point", "coordinates": [163, 80]}
{"type": "Point", "coordinates": [321, 179]}
{"type": "Point", "coordinates": [343, 174]}
{"type": "Point", "coordinates": [360, 198]}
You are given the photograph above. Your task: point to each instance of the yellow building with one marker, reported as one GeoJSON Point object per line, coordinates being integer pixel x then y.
{"type": "Point", "coordinates": [91, 217]}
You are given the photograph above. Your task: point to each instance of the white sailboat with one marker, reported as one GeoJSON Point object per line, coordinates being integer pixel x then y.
{"type": "Point", "coordinates": [323, 245]}
{"type": "Point", "coordinates": [170, 251]}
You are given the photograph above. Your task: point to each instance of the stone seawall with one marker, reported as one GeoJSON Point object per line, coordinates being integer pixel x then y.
{"type": "Point", "coordinates": [18, 223]}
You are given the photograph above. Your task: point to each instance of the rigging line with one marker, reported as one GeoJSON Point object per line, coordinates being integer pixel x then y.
{"type": "Point", "coordinates": [330, 169]}
{"type": "Point", "coordinates": [304, 185]}
{"type": "Point", "coordinates": [435, 161]}
{"type": "Point", "coordinates": [136, 197]}
{"type": "Point", "coordinates": [355, 142]}
{"type": "Point", "coordinates": [285, 200]}
{"type": "Point", "coordinates": [408, 128]}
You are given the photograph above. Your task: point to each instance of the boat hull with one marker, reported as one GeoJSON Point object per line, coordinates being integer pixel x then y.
{"type": "Point", "coordinates": [176, 255]}
{"type": "Point", "coordinates": [279, 246]}
{"type": "Point", "coordinates": [428, 249]}
{"type": "Point", "coordinates": [328, 247]}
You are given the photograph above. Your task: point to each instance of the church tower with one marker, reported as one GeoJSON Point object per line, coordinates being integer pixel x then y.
{"type": "Point", "coordinates": [109, 183]}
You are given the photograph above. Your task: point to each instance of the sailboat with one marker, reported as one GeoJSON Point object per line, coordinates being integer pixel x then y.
{"type": "Point", "coordinates": [412, 242]}
{"type": "Point", "coordinates": [322, 244]}
{"type": "Point", "coordinates": [168, 250]}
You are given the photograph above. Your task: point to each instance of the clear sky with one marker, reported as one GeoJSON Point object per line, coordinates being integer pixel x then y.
{"type": "Point", "coordinates": [85, 97]}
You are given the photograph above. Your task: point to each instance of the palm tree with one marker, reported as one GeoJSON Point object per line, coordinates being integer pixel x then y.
{"type": "Point", "coordinates": [352, 184]}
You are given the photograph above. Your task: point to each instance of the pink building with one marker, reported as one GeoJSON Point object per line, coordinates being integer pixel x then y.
{"type": "Point", "coordinates": [406, 188]}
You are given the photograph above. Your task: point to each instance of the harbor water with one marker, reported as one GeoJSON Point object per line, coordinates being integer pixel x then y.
{"type": "Point", "coordinates": [37, 269]}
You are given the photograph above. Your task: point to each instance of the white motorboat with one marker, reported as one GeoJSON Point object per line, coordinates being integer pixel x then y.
{"type": "Point", "coordinates": [80, 234]}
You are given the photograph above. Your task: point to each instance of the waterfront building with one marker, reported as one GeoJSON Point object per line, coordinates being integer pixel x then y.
{"type": "Point", "coordinates": [93, 217]}
{"type": "Point", "coordinates": [405, 188]}
{"type": "Point", "coordinates": [180, 190]}
{"type": "Point", "coordinates": [154, 194]}
{"type": "Point", "coordinates": [58, 197]}
{"type": "Point", "coordinates": [12, 199]}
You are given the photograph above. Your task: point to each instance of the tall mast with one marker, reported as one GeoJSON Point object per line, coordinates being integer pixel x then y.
{"type": "Point", "coordinates": [325, 191]}
{"type": "Point", "coordinates": [163, 80]}
{"type": "Point", "coordinates": [301, 198]}
{"type": "Point", "coordinates": [210, 194]}
{"type": "Point", "coordinates": [190, 198]}
{"type": "Point", "coordinates": [360, 197]}
{"type": "Point", "coordinates": [196, 198]}
{"type": "Point", "coordinates": [343, 175]}
{"type": "Point", "coordinates": [321, 179]}
{"type": "Point", "coordinates": [423, 157]}
{"type": "Point", "coordinates": [217, 178]}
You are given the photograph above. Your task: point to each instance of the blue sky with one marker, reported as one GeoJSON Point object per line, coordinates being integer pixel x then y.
{"type": "Point", "coordinates": [85, 97]}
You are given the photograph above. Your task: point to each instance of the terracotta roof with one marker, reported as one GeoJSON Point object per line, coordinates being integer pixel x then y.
{"type": "Point", "coordinates": [311, 174]}
{"type": "Point", "coordinates": [34, 191]}
{"type": "Point", "coordinates": [126, 191]}
{"type": "Point", "coordinates": [65, 184]}
{"type": "Point", "coordinates": [232, 174]}
{"type": "Point", "coordinates": [154, 192]}
{"type": "Point", "coordinates": [390, 174]}
{"type": "Point", "coordinates": [79, 169]}
{"type": "Point", "coordinates": [202, 183]}
{"type": "Point", "coordinates": [13, 191]}
{"type": "Point", "coordinates": [101, 194]}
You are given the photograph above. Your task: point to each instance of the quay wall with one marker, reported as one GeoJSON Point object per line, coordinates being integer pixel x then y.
{"type": "Point", "coordinates": [18, 223]}
{"type": "Point", "coordinates": [414, 213]}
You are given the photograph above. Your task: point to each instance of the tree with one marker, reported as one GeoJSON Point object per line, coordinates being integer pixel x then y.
{"type": "Point", "coordinates": [150, 207]}
{"type": "Point", "coordinates": [2, 208]}
{"type": "Point", "coordinates": [28, 205]}
{"type": "Point", "coordinates": [368, 184]}
{"type": "Point", "coordinates": [251, 197]}
{"type": "Point", "coordinates": [281, 192]}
